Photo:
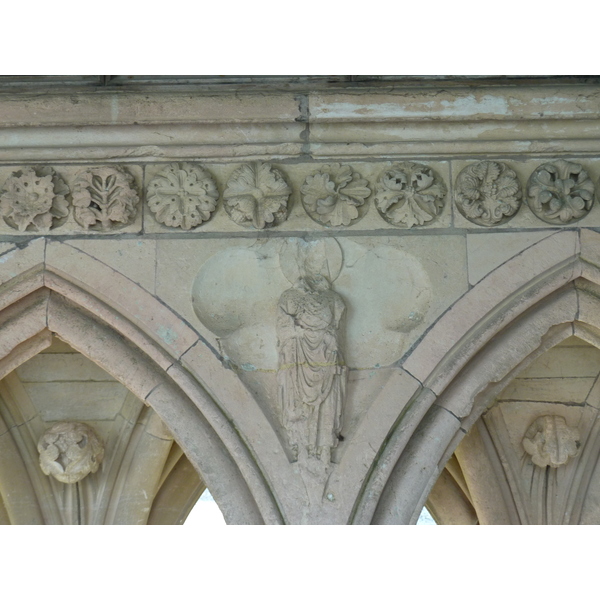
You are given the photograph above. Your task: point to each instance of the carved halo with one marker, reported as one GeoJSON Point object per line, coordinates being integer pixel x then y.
{"type": "Point", "coordinates": [324, 254]}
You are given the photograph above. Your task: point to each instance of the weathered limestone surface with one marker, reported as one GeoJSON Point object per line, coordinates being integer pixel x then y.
{"type": "Point", "coordinates": [328, 305]}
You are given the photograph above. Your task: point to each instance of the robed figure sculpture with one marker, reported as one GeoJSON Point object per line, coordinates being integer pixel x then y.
{"type": "Point", "coordinates": [312, 374]}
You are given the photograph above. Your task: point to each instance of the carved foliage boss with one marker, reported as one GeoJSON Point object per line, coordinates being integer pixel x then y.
{"type": "Point", "coordinates": [34, 199]}
{"type": "Point", "coordinates": [70, 451]}
{"type": "Point", "coordinates": [410, 194]}
{"type": "Point", "coordinates": [182, 195]}
{"type": "Point", "coordinates": [104, 197]}
{"type": "Point", "coordinates": [257, 196]}
{"type": "Point", "coordinates": [488, 193]}
{"type": "Point", "coordinates": [551, 442]}
{"type": "Point", "coordinates": [560, 192]}
{"type": "Point", "coordinates": [335, 195]}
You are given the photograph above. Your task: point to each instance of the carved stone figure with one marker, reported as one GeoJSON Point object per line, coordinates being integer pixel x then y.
{"type": "Point", "coordinates": [409, 194]}
{"type": "Point", "coordinates": [551, 442]}
{"type": "Point", "coordinates": [34, 199]}
{"type": "Point", "coordinates": [257, 196]}
{"type": "Point", "coordinates": [312, 375]}
{"type": "Point", "coordinates": [70, 451]}
{"type": "Point", "coordinates": [488, 193]}
{"type": "Point", "coordinates": [335, 195]}
{"type": "Point", "coordinates": [104, 198]}
{"type": "Point", "coordinates": [560, 192]}
{"type": "Point", "coordinates": [182, 195]}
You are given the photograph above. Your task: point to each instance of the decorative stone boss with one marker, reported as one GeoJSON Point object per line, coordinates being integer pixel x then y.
{"type": "Point", "coordinates": [70, 451]}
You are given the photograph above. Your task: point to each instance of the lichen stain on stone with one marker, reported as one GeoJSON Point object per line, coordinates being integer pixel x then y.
{"type": "Point", "coordinates": [167, 335]}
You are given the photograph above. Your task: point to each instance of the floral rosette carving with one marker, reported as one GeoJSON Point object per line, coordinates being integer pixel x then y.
{"type": "Point", "coordinates": [560, 192]}
{"type": "Point", "coordinates": [551, 442]}
{"type": "Point", "coordinates": [409, 194]}
{"type": "Point", "coordinates": [182, 195]}
{"type": "Point", "coordinates": [257, 196]}
{"type": "Point", "coordinates": [488, 193]}
{"type": "Point", "coordinates": [34, 199]}
{"type": "Point", "coordinates": [70, 451]}
{"type": "Point", "coordinates": [335, 195]}
{"type": "Point", "coordinates": [104, 198]}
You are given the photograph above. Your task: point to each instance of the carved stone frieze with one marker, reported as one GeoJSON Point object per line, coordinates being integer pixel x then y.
{"type": "Point", "coordinates": [34, 199]}
{"type": "Point", "coordinates": [335, 195]}
{"type": "Point", "coordinates": [560, 192]}
{"type": "Point", "coordinates": [409, 194]}
{"type": "Point", "coordinates": [182, 195]}
{"type": "Point", "coordinates": [257, 196]}
{"type": "Point", "coordinates": [104, 198]}
{"type": "Point", "coordinates": [488, 193]}
{"type": "Point", "coordinates": [551, 442]}
{"type": "Point", "coordinates": [312, 373]}
{"type": "Point", "coordinates": [70, 451]}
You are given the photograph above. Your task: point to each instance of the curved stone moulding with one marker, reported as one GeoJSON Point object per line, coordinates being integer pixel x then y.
{"type": "Point", "coordinates": [388, 497]}
{"type": "Point", "coordinates": [180, 401]}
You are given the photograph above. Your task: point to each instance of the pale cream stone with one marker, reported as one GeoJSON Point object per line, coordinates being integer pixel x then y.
{"type": "Point", "coordinates": [136, 259]}
{"type": "Point", "coordinates": [487, 251]}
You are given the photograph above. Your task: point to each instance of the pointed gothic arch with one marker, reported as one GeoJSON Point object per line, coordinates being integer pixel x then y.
{"type": "Point", "coordinates": [145, 346]}
{"type": "Point", "coordinates": [532, 302]}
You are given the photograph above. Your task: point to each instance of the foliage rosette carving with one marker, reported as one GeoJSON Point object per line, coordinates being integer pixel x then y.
{"type": "Point", "coordinates": [551, 442]}
{"type": "Point", "coordinates": [410, 194]}
{"type": "Point", "coordinates": [560, 192]}
{"type": "Point", "coordinates": [104, 198]}
{"type": "Point", "coordinates": [257, 196]}
{"type": "Point", "coordinates": [335, 196]}
{"type": "Point", "coordinates": [488, 193]}
{"type": "Point", "coordinates": [70, 451]}
{"type": "Point", "coordinates": [34, 199]}
{"type": "Point", "coordinates": [183, 195]}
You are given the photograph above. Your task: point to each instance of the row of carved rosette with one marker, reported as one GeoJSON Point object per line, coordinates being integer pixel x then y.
{"type": "Point", "coordinates": [258, 195]}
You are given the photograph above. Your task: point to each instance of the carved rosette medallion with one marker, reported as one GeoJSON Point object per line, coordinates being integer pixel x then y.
{"type": "Point", "coordinates": [488, 193]}
{"type": "Point", "coordinates": [551, 442]}
{"type": "Point", "coordinates": [560, 192]}
{"type": "Point", "coordinates": [335, 195]}
{"type": "Point", "coordinates": [257, 196]}
{"type": "Point", "coordinates": [104, 198]}
{"type": "Point", "coordinates": [70, 451]}
{"type": "Point", "coordinates": [410, 194]}
{"type": "Point", "coordinates": [34, 199]}
{"type": "Point", "coordinates": [182, 195]}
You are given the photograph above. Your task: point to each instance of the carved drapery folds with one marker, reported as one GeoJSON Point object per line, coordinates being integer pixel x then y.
{"type": "Point", "coordinates": [551, 442]}
{"type": "Point", "coordinates": [257, 196]}
{"type": "Point", "coordinates": [488, 193]}
{"type": "Point", "coordinates": [34, 199]}
{"type": "Point", "coordinates": [335, 195]}
{"type": "Point", "coordinates": [312, 373]}
{"type": "Point", "coordinates": [410, 194]}
{"type": "Point", "coordinates": [70, 451]}
{"type": "Point", "coordinates": [182, 195]}
{"type": "Point", "coordinates": [560, 192]}
{"type": "Point", "coordinates": [104, 198]}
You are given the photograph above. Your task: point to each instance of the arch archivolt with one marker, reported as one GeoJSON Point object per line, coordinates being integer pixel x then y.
{"type": "Point", "coordinates": [525, 307]}
{"type": "Point", "coordinates": [518, 311]}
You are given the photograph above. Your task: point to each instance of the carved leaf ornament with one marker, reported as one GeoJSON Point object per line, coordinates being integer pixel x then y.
{"type": "Point", "coordinates": [560, 192]}
{"type": "Point", "coordinates": [410, 194]}
{"type": "Point", "coordinates": [488, 193]}
{"type": "Point", "coordinates": [34, 199]}
{"type": "Point", "coordinates": [257, 196]}
{"type": "Point", "coordinates": [104, 197]}
{"type": "Point", "coordinates": [334, 195]}
{"type": "Point", "coordinates": [70, 451]}
{"type": "Point", "coordinates": [551, 442]}
{"type": "Point", "coordinates": [182, 195]}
